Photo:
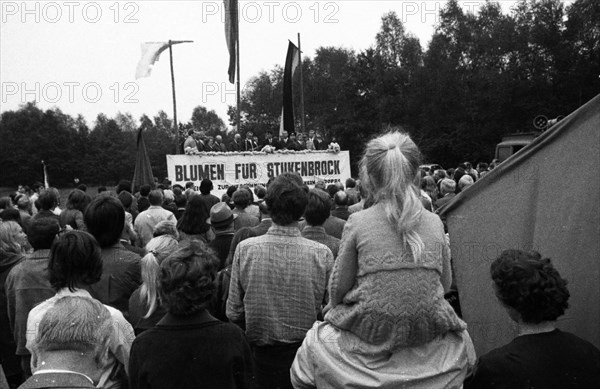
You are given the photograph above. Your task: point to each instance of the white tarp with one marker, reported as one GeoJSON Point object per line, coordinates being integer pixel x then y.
{"type": "Point", "coordinates": [225, 169]}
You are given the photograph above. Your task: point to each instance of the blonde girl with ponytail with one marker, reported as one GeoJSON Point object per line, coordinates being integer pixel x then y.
{"type": "Point", "coordinates": [144, 306]}
{"type": "Point", "coordinates": [388, 283]}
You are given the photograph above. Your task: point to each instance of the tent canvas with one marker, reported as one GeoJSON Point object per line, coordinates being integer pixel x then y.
{"type": "Point", "coordinates": [545, 197]}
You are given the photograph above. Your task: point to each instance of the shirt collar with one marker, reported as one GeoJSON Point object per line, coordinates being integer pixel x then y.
{"type": "Point", "coordinates": [60, 371]}
{"type": "Point", "coordinates": [197, 318]}
{"type": "Point", "coordinates": [40, 254]}
{"type": "Point", "coordinates": [284, 231]}
{"type": "Point", "coordinates": [77, 292]}
{"type": "Point", "coordinates": [319, 229]}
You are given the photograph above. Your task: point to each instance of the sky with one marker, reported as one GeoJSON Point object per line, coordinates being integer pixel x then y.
{"type": "Point", "coordinates": [81, 56]}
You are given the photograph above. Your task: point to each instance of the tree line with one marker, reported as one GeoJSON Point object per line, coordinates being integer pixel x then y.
{"type": "Point", "coordinates": [481, 76]}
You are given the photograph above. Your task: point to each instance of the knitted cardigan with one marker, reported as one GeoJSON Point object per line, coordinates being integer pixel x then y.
{"type": "Point", "coordinates": [380, 294]}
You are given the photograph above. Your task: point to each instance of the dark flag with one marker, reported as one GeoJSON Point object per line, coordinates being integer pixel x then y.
{"type": "Point", "coordinates": [287, 114]}
{"type": "Point", "coordinates": [143, 170]}
{"type": "Point", "coordinates": [231, 34]}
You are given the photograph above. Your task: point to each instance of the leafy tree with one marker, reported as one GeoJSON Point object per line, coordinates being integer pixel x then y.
{"type": "Point", "coordinates": [207, 121]}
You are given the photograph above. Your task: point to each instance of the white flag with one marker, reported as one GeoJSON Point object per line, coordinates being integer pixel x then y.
{"type": "Point", "coordinates": [150, 53]}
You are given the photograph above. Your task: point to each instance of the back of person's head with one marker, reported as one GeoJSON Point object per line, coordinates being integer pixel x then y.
{"type": "Point", "coordinates": [465, 181]}
{"type": "Point", "coordinates": [75, 261]}
{"type": "Point", "coordinates": [260, 191]}
{"type": "Point", "coordinates": [206, 186]}
{"type": "Point", "coordinates": [294, 177]}
{"type": "Point", "coordinates": [389, 170]}
{"type": "Point", "coordinates": [194, 217]}
{"type": "Point", "coordinates": [78, 200]}
{"type": "Point", "coordinates": [318, 207]}
{"type": "Point", "coordinates": [145, 190]}
{"type": "Point", "coordinates": [447, 186]}
{"type": "Point", "coordinates": [231, 190]}
{"type": "Point", "coordinates": [79, 325]}
{"type": "Point", "coordinates": [82, 187]}
{"type": "Point", "coordinates": [529, 284]}
{"type": "Point", "coordinates": [42, 232]}
{"type": "Point", "coordinates": [47, 200]}
{"type": "Point", "coordinates": [124, 185]}
{"type": "Point", "coordinates": [350, 183]}
{"type": "Point", "coordinates": [340, 198]}
{"type": "Point", "coordinates": [101, 189]}
{"type": "Point", "coordinates": [22, 201]}
{"type": "Point", "coordinates": [286, 201]}
{"type": "Point", "coordinates": [37, 186]}
{"type": "Point", "coordinates": [187, 279]}
{"type": "Point", "coordinates": [158, 248]}
{"type": "Point", "coordinates": [250, 193]}
{"type": "Point", "coordinates": [241, 198]}
{"type": "Point", "coordinates": [264, 210]}
{"type": "Point", "coordinates": [339, 185]}
{"type": "Point", "coordinates": [180, 201]}
{"type": "Point", "coordinates": [332, 189]}
{"type": "Point", "coordinates": [166, 227]}
{"type": "Point", "coordinates": [5, 202]}
{"type": "Point", "coordinates": [168, 196]}
{"type": "Point", "coordinates": [105, 219]}
{"type": "Point", "coordinates": [11, 214]}
{"type": "Point", "coordinates": [428, 184]}
{"type": "Point", "coordinates": [12, 237]}
{"type": "Point", "coordinates": [189, 185]}
{"type": "Point", "coordinates": [177, 190]}
{"type": "Point", "coordinates": [126, 199]}
{"type": "Point", "coordinates": [458, 173]}
{"type": "Point", "coordinates": [320, 184]}
{"type": "Point", "coordinates": [155, 197]}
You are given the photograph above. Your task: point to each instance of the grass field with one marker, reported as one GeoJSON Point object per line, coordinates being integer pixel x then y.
{"type": "Point", "coordinates": [64, 193]}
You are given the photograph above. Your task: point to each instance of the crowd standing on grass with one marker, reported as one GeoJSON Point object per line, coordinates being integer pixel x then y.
{"type": "Point", "coordinates": [282, 286]}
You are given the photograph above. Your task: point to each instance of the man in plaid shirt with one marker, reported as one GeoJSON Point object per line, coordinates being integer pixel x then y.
{"type": "Point", "coordinates": [278, 285]}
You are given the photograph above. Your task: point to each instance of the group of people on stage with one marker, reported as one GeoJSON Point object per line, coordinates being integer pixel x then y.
{"type": "Point", "coordinates": [281, 286]}
{"type": "Point", "coordinates": [198, 141]}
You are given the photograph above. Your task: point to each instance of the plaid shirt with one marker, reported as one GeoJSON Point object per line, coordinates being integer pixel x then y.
{"type": "Point", "coordinates": [278, 284]}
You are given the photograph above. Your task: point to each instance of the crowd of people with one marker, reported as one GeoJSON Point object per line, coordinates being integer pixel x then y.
{"type": "Point", "coordinates": [339, 286]}
{"type": "Point", "coordinates": [198, 141]}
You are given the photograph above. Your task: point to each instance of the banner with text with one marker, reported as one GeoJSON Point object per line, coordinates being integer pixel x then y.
{"type": "Point", "coordinates": [225, 169]}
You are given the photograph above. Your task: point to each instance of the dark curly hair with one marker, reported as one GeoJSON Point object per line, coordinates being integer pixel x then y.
{"type": "Point", "coordinates": [187, 279]}
{"type": "Point", "coordinates": [530, 284]}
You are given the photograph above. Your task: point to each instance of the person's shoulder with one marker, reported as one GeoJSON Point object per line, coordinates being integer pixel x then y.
{"type": "Point", "coordinates": [17, 271]}
{"type": "Point", "coordinates": [37, 312]}
{"type": "Point", "coordinates": [578, 343]}
{"type": "Point", "coordinates": [127, 255]}
{"type": "Point", "coordinates": [336, 220]}
{"type": "Point", "coordinates": [312, 244]}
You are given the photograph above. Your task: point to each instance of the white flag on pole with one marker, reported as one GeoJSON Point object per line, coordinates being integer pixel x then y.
{"type": "Point", "coordinates": [150, 53]}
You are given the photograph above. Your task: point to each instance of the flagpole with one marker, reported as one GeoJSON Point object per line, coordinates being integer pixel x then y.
{"type": "Point", "coordinates": [175, 123]}
{"type": "Point", "coordinates": [174, 99]}
{"type": "Point", "coordinates": [301, 86]}
{"type": "Point", "coordinates": [238, 92]}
